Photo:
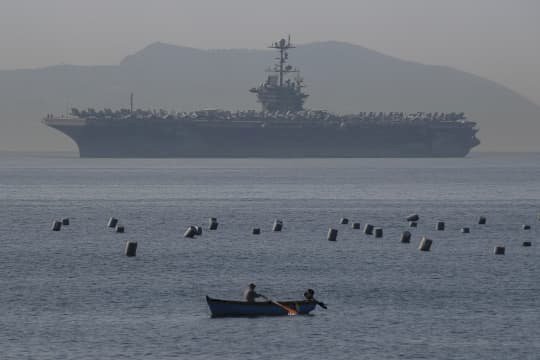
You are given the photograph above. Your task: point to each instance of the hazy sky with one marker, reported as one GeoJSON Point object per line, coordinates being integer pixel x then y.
{"type": "Point", "coordinates": [497, 39]}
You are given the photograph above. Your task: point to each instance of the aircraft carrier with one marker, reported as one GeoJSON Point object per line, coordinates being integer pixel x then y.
{"type": "Point", "coordinates": [282, 129]}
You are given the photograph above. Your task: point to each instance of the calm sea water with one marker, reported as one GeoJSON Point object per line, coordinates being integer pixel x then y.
{"type": "Point", "coordinates": [74, 295]}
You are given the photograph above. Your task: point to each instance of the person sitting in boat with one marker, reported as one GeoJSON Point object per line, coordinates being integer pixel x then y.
{"type": "Point", "coordinates": [309, 295]}
{"type": "Point", "coordinates": [250, 295]}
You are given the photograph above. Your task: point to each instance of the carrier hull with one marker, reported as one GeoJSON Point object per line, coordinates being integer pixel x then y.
{"type": "Point", "coordinates": [214, 141]}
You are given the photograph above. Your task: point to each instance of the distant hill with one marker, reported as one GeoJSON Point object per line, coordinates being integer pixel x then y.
{"type": "Point", "coordinates": [340, 77]}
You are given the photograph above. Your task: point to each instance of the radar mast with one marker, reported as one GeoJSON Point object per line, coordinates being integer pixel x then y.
{"type": "Point", "coordinates": [278, 93]}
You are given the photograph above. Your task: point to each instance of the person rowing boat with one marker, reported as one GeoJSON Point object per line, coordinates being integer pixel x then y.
{"type": "Point", "coordinates": [250, 294]}
{"type": "Point", "coordinates": [309, 295]}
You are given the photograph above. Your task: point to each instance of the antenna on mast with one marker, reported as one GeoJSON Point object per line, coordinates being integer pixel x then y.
{"type": "Point", "coordinates": [281, 67]}
{"type": "Point", "coordinates": [131, 102]}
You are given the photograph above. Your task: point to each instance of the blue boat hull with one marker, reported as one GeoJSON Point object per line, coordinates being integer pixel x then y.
{"type": "Point", "coordinates": [227, 308]}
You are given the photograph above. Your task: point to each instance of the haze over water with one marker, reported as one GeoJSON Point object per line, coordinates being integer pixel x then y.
{"type": "Point", "coordinates": [73, 294]}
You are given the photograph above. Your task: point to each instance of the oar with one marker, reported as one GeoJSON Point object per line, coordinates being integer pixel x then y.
{"type": "Point", "coordinates": [289, 310]}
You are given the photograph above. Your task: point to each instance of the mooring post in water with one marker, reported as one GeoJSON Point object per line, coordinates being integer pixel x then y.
{"type": "Point", "coordinates": [499, 250]}
{"type": "Point", "coordinates": [131, 248]}
{"type": "Point", "coordinates": [56, 225]}
{"type": "Point", "coordinates": [112, 222]}
{"type": "Point", "coordinates": [482, 220]}
{"type": "Point", "coordinates": [368, 229]}
{"type": "Point", "coordinates": [120, 229]}
{"type": "Point", "coordinates": [278, 225]}
{"type": "Point", "coordinates": [405, 237]}
{"type": "Point", "coordinates": [465, 230]}
{"type": "Point", "coordinates": [256, 231]}
{"type": "Point", "coordinates": [190, 232]}
{"type": "Point", "coordinates": [332, 234]}
{"type": "Point", "coordinates": [65, 221]}
{"type": "Point", "coordinates": [378, 232]}
{"type": "Point", "coordinates": [356, 225]}
{"type": "Point", "coordinates": [212, 224]}
{"type": "Point", "coordinates": [526, 243]}
{"type": "Point", "coordinates": [440, 225]}
{"type": "Point", "coordinates": [425, 244]}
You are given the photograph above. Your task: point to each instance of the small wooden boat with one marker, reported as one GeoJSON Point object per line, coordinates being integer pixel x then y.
{"type": "Point", "coordinates": [225, 308]}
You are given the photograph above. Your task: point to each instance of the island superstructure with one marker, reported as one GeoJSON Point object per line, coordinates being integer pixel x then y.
{"type": "Point", "coordinates": [283, 128]}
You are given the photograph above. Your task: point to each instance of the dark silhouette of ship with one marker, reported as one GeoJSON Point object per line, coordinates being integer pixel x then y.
{"type": "Point", "coordinates": [282, 129]}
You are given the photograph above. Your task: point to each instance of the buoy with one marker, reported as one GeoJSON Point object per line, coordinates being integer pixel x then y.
{"type": "Point", "coordinates": [256, 231]}
{"type": "Point", "coordinates": [212, 224]}
{"type": "Point", "coordinates": [378, 232]}
{"type": "Point", "coordinates": [120, 229]}
{"type": "Point", "coordinates": [131, 248]}
{"type": "Point", "coordinates": [278, 225]}
{"type": "Point", "coordinates": [190, 232]}
{"type": "Point", "coordinates": [425, 244]}
{"type": "Point", "coordinates": [344, 221]}
{"type": "Point", "coordinates": [413, 224]}
{"type": "Point", "coordinates": [440, 225]}
{"type": "Point", "coordinates": [526, 243]}
{"type": "Point", "coordinates": [413, 217]}
{"type": "Point", "coordinates": [465, 230]}
{"type": "Point", "coordinates": [499, 250]}
{"type": "Point", "coordinates": [112, 222]}
{"type": "Point", "coordinates": [482, 220]}
{"type": "Point", "coordinates": [332, 234]}
{"type": "Point", "coordinates": [65, 221]}
{"type": "Point", "coordinates": [526, 227]}
{"type": "Point", "coordinates": [56, 225]}
{"type": "Point", "coordinates": [368, 229]}
{"type": "Point", "coordinates": [405, 237]}
{"type": "Point", "coordinates": [198, 230]}
{"type": "Point", "coordinates": [356, 225]}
